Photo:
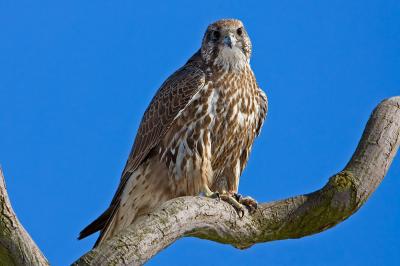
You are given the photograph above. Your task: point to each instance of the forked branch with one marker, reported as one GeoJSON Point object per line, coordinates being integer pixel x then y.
{"type": "Point", "coordinates": [215, 220]}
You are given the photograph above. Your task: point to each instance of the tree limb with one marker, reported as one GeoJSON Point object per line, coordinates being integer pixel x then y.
{"type": "Point", "coordinates": [215, 220]}
{"type": "Point", "coordinates": [16, 246]}
{"type": "Point", "coordinates": [294, 217]}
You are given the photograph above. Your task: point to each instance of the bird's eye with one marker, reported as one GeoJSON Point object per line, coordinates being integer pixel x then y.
{"type": "Point", "coordinates": [216, 34]}
{"type": "Point", "coordinates": [239, 31]}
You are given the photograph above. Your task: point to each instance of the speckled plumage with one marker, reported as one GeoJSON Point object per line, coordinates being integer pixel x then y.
{"type": "Point", "coordinates": [196, 134]}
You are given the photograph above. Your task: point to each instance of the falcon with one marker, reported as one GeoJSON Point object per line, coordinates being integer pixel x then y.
{"type": "Point", "coordinates": [195, 136]}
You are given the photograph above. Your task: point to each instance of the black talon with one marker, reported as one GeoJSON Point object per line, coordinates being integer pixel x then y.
{"type": "Point", "coordinates": [252, 209]}
{"type": "Point", "coordinates": [217, 196]}
{"type": "Point", "coordinates": [240, 212]}
{"type": "Point", "coordinates": [237, 196]}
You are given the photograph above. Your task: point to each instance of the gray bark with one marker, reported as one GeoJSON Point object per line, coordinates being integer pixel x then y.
{"type": "Point", "coordinates": [16, 246]}
{"type": "Point", "coordinates": [295, 217]}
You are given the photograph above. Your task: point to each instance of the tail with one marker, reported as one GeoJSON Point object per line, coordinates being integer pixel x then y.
{"type": "Point", "coordinates": [146, 188]}
{"type": "Point", "coordinates": [103, 221]}
{"type": "Point", "coordinates": [96, 225]}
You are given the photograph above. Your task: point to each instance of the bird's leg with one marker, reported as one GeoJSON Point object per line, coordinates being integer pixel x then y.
{"type": "Point", "coordinates": [249, 202]}
{"type": "Point", "coordinates": [208, 193]}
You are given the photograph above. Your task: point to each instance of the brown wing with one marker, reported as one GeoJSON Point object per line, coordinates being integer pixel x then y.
{"type": "Point", "coordinates": [170, 99]}
{"type": "Point", "coordinates": [173, 96]}
{"type": "Point", "coordinates": [263, 102]}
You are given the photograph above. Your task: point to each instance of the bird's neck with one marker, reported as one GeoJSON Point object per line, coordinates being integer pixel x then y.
{"type": "Point", "coordinates": [231, 59]}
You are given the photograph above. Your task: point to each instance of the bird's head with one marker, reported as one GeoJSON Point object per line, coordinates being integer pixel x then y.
{"type": "Point", "coordinates": [226, 44]}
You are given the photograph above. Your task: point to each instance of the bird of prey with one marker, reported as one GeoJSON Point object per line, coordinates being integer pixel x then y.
{"type": "Point", "coordinates": [195, 136]}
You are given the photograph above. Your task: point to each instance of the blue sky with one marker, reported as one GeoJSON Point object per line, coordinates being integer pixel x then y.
{"type": "Point", "coordinates": [76, 76]}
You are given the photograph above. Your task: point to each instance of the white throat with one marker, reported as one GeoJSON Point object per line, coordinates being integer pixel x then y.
{"type": "Point", "coordinates": [231, 59]}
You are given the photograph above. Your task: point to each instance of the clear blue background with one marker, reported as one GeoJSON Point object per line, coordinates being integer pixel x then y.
{"type": "Point", "coordinates": [76, 76]}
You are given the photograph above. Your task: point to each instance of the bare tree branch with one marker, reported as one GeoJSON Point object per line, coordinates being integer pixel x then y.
{"type": "Point", "coordinates": [16, 246]}
{"type": "Point", "coordinates": [294, 217]}
{"type": "Point", "coordinates": [215, 220]}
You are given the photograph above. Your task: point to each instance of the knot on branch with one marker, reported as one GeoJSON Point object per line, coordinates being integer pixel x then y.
{"type": "Point", "coordinates": [343, 191]}
{"type": "Point", "coordinates": [342, 181]}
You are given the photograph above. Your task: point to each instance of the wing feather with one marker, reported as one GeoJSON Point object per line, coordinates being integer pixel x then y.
{"type": "Point", "coordinates": [172, 97]}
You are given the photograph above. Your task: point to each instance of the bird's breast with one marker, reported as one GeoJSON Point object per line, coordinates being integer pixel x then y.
{"type": "Point", "coordinates": [218, 125]}
{"type": "Point", "coordinates": [235, 114]}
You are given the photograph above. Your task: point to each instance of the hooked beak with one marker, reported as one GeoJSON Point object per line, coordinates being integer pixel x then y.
{"type": "Point", "coordinates": [229, 41]}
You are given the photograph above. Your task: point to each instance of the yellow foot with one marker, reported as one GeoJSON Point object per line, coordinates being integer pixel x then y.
{"type": "Point", "coordinates": [231, 199]}
{"type": "Point", "coordinates": [249, 202]}
{"type": "Point", "coordinates": [209, 194]}
{"type": "Point", "coordinates": [234, 199]}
